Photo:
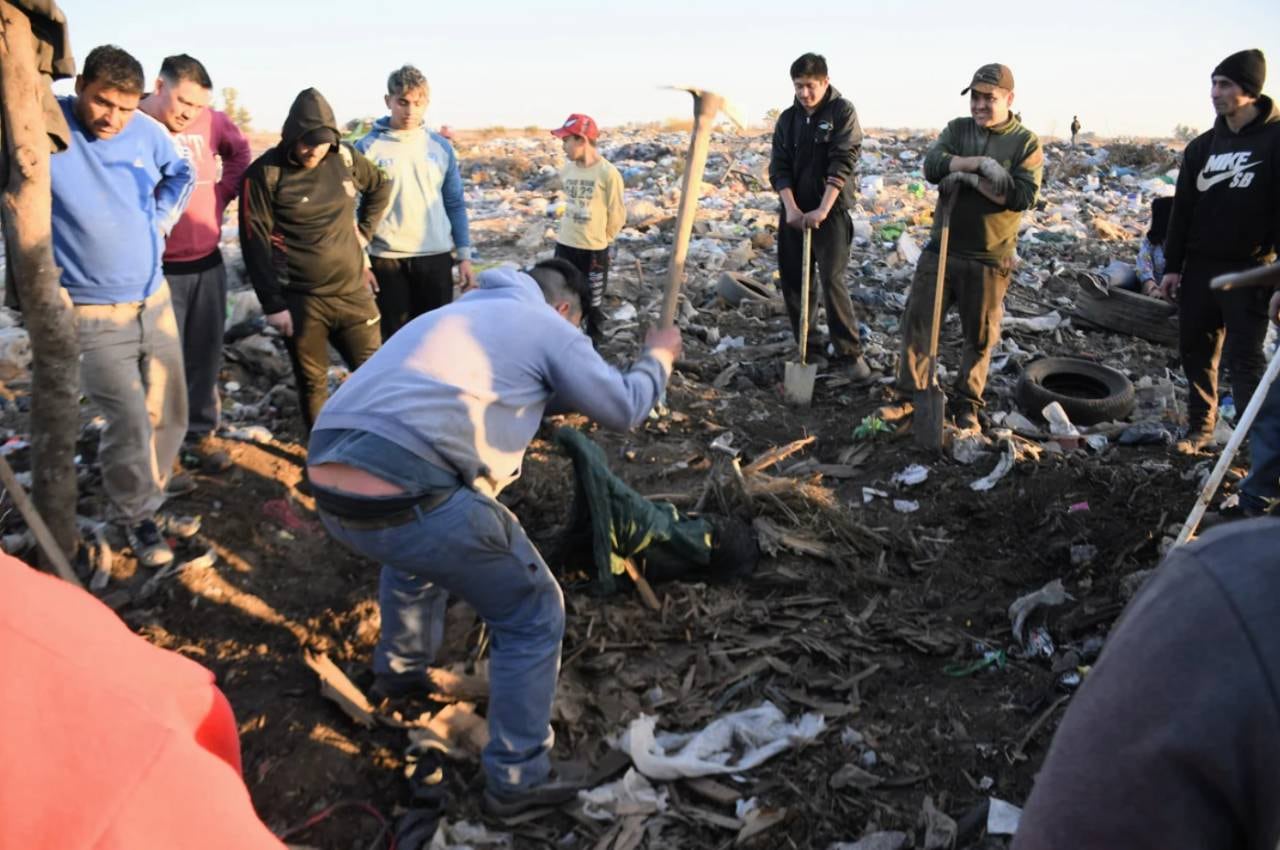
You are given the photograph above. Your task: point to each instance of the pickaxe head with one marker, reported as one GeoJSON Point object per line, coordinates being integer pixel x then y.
{"type": "Point", "coordinates": [707, 103]}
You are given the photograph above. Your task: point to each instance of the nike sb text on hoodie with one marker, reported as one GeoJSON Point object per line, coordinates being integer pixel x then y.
{"type": "Point", "coordinates": [1227, 204]}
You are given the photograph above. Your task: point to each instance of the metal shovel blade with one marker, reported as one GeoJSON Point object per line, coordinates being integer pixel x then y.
{"type": "Point", "coordinates": [798, 381]}
{"type": "Point", "coordinates": [928, 422]}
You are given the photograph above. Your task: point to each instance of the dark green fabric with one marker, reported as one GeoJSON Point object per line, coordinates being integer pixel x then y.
{"type": "Point", "coordinates": [623, 523]}
{"type": "Point", "coordinates": [980, 229]}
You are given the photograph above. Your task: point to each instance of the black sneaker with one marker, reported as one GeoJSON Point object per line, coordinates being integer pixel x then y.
{"type": "Point", "coordinates": [561, 785]}
{"type": "Point", "coordinates": [967, 420]}
{"type": "Point", "coordinates": [149, 545]}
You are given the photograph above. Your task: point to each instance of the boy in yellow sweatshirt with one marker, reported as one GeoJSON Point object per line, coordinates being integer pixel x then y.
{"type": "Point", "coordinates": [594, 213]}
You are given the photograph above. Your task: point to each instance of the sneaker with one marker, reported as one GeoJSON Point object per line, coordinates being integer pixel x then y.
{"type": "Point", "coordinates": [181, 527]}
{"type": "Point", "coordinates": [1194, 443]}
{"type": "Point", "coordinates": [1230, 513]}
{"type": "Point", "coordinates": [212, 457]}
{"type": "Point", "coordinates": [149, 546]}
{"type": "Point", "coordinates": [180, 484]}
{"type": "Point", "coordinates": [561, 785]}
{"type": "Point", "coordinates": [895, 411]}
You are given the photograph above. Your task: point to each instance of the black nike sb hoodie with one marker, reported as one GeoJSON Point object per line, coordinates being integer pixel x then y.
{"type": "Point", "coordinates": [1227, 205]}
{"type": "Point", "coordinates": [298, 226]}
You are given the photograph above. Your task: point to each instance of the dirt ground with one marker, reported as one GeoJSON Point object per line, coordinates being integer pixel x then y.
{"type": "Point", "coordinates": [878, 632]}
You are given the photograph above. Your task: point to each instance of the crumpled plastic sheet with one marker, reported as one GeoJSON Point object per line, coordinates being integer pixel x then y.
{"type": "Point", "coordinates": [1051, 594]}
{"type": "Point", "coordinates": [729, 744]}
{"type": "Point", "coordinates": [630, 795]}
{"type": "Point", "coordinates": [874, 841]}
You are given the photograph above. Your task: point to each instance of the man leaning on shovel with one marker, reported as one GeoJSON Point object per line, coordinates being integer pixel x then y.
{"type": "Point", "coordinates": [992, 165]}
{"type": "Point", "coordinates": [815, 147]}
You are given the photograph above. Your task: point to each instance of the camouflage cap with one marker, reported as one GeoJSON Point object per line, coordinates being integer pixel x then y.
{"type": "Point", "coordinates": [990, 77]}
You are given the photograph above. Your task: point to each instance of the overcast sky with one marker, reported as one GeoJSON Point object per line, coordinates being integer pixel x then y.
{"type": "Point", "coordinates": [1127, 68]}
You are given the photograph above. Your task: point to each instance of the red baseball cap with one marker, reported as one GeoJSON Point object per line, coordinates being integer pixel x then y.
{"type": "Point", "coordinates": [578, 124]}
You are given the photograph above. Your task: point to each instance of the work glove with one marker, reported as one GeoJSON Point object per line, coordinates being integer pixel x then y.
{"type": "Point", "coordinates": [953, 181]}
{"type": "Point", "coordinates": [995, 174]}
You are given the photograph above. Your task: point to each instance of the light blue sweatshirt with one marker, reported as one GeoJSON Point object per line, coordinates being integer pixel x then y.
{"type": "Point", "coordinates": [428, 212]}
{"type": "Point", "coordinates": [114, 202]}
{"type": "Point", "coordinates": [465, 386]}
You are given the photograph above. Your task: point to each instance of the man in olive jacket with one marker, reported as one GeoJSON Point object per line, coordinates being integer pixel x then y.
{"type": "Point", "coordinates": [815, 147]}
{"type": "Point", "coordinates": [992, 166]}
{"type": "Point", "coordinates": [309, 207]}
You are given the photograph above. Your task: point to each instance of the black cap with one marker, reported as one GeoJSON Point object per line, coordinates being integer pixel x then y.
{"type": "Point", "coordinates": [989, 77]}
{"type": "Point", "coordinates": [1247, 69]}
{"type": "Point", "coordinates": [319, 136]}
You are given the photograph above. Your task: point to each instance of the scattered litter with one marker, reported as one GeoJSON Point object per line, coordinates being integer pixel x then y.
{"type": "Point", "coordinates": [1083, 554]}
{"type": "Point", "coordinates": [869, 494]}
{"type": "Point", "coordinates": [1039, 324]}
{"type": "Point", "coordinates": [466, 836]}
{"type": "Point", "coordinates": [1051, 594]}
{"type": "Point", "coordinates": [853, 776]}
{"type": "Point", "coordinates": [874, 841]}
{"type": "Point", "coordinates": [1078, 507]}
{"type": "Point", "coordinates": [730, 744]}
{"type": "Point", "coordinates": [626, 313]}
{"type": "Point", "coordinates": [630, 795]}
{"type": "Point", "coordinates": [1148, 433]}
{"type": "Point", "coordinates": [851, 737]}
{"type": "Point", "coordinates": [728, 343]}
{"type": "Point", "coordinates": [939, 828]}
{"type": "Point", "coordinates": [724, 443]}
{"type": "Point", "coordinates": [1007, 459]}
{"type": "Point", "coordinates": [1002, 817]}
{"type": "Point", "coordinates": [970, 447]}
{"type": "Point", "coordinates": [911, 476]}
{"type": "Point", "coordinates": [905, 506]}
{"type": "Point", "coordinates": [250, 434]}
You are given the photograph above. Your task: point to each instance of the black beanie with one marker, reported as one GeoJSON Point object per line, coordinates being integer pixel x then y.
{"type": "Point", "coordinates": [1247, 69]}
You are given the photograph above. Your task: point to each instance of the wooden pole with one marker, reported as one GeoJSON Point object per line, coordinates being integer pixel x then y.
{"type": "Point", "coordinates": [27, 213]}
{"type": "Point", "coordinates": [705, 107]}
{"type": "Point", "coordinates": [48, 546]}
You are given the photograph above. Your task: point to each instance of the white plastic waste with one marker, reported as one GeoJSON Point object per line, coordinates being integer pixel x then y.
{"type": "Point", "coordinates": [630, 795]}
{"type": "Point", "coordinates": [729, 744]}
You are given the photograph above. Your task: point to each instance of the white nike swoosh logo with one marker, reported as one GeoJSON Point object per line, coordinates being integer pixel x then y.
{"type": "Point", "coordinates": [1203, 183]}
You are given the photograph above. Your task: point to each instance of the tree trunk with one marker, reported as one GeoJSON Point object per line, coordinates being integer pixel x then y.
{"type": "Point", "coordinates": [46, 308]}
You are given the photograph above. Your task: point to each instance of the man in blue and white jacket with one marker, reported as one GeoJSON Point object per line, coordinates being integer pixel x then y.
{"type": "Point", "coordinates": [406, 461]}
{"type": "Point", "coordinates": [412, 250]}
{"type": "Point", "coordinates": [118, 190]}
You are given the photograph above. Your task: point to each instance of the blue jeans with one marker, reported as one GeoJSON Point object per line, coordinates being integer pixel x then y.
{"type": "Point", "coordinates": [1263, 482]}
{"type": "Point", "coordinates": [474, 547]}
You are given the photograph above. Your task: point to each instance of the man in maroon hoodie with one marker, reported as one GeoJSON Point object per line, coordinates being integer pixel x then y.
{"type": "Point", "coordinates": [219, 154]}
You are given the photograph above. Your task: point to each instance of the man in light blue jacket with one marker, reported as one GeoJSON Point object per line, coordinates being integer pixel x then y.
{"type": "Point", "coordinates": [413, 248]}
{"type": "Point", "coordinates": [406, 461]}
{"type": "Point", "coordinates": [118, 190]}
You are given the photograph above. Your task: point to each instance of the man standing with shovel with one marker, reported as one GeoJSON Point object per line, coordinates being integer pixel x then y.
{"type": "Point", "coordinates": [992, 164]}
{"type": "Point", "coordinates": [815, 147]}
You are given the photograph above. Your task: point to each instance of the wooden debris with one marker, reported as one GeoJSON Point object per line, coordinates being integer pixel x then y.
{"type": "Point", "coordinates": [335, 685]}
{"type": "Point", "coordinates": [776, 455]}
{"type": "Point", "coordinates": [714, 791]}
{"type": "Point", "coordinates": [642, 585]}
{"type": "Point", "coordinates": [462, 733]}
{"type": "Point", "coordinates": [760, 820]}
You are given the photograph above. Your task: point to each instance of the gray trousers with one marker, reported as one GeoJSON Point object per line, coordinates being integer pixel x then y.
{"type": "Point", "coordinates": [200, 307]}
{"type": "Point", "coordinates": [131, 370]}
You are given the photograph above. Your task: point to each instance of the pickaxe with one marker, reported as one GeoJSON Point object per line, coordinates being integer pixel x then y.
{"type": "Point", "coordinates": [705, 107]}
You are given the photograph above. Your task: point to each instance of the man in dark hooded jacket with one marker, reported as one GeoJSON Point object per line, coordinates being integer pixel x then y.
{"type": "Point", "coordinates": [815, 148]}
{"type": "Point", "coordinates": [1226, 218]}
{"type": "Point", "coordinates": [309, 206]}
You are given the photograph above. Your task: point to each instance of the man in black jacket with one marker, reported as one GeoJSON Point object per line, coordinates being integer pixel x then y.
{"type": "Point", "coordinates": [815, 147]}
{"type": "Point", "coordinates": [303, 240]}
{"type": "Point", "coordinates": [1226, 217]}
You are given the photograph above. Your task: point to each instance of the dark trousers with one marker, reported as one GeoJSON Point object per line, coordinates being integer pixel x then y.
{"type": "Point", "coordinates": [593, 264]}
{"type": "Point", "coordinates": [829, 252]}
{"type": "Point", "coordinates": [411, 286]}
{"type": "Point", "coordinates": [977, 290]}
{"type": "Point", "coordinates": [349, 321]}
{"type": "Point", "coordinates": [200, 307]}
{"type": "Point", "coordinates": [1219, 326]}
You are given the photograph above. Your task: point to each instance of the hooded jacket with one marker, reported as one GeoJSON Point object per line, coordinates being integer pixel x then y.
{"type": "Point", "coordinates": [465, 386]}
{"type": "Point", "coordinates": [427, 213]}
{"type": "Point", "coordinates": [298, 226]}
{"type": "Point", "coordinates": [811, 152]}
{"type": "Point", "coordinates": [1227, 204]}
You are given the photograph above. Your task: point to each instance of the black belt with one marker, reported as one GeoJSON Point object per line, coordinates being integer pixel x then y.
{"type": "Point", "coordinates": [369, 515]}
